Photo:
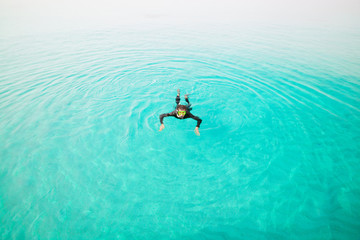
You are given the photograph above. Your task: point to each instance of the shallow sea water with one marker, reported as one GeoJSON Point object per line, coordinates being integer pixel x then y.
{"type": "Point", "coordinates": [81, 156]}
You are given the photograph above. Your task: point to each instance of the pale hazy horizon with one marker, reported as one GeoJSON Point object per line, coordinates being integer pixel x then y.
{"type": "Point", "coordinates": [21, 15]}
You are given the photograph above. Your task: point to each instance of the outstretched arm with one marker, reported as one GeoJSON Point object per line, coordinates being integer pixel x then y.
{"type": "Point", "coordinates": [198, 123]}
{"type": "Point", "coordinates": [162, 126]}
{"type": "Point", "coordinates": [162, 117]}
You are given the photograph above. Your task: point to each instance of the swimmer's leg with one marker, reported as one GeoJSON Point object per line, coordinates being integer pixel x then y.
{"type": "Point", "coordinates": [177, 99]}
{"type": "Point", "coordinates": [188, 103]}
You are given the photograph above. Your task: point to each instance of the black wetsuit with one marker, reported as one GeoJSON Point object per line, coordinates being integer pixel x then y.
{"type": "Point", "coordinates": [187, 115]}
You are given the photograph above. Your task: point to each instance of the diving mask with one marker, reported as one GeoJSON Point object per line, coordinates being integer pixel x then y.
{"type": "Point", "coordinates": [181, 113]}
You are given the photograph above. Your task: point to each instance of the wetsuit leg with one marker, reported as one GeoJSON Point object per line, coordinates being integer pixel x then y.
{"type": "Point", "coordinates": [188, 106]}
{"type": "Point", "coordinates": [177, 100]}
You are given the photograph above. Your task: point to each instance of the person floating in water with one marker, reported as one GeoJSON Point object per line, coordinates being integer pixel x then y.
{"type": "Point", "coordinates": [181, 112]}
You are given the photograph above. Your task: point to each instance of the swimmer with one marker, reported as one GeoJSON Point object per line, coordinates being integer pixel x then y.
{"type": "Point", "coordinates": [181, 112]}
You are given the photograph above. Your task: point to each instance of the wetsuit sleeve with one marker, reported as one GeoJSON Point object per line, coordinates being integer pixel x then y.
{"type": "Point", "coordinates": [172, 114]}
{"type": "Point", "coordinates": [195, 118]}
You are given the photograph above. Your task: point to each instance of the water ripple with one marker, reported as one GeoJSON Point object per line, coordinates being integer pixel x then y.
{"type": "Point", "coordinates": [80, 118]}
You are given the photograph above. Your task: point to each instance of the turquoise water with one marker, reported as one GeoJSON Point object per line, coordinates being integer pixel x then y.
{"type": "Point", "coordinates": [277, 158]}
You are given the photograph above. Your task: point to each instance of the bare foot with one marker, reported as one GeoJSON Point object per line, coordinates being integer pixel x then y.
{"type": "Point", "coordinates": [186, 95]}
{"type": "Point", "coordinates": [178, 91]}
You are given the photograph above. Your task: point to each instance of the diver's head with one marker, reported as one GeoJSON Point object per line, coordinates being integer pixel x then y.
{"type": "Point", "coordinates": [181, 111]}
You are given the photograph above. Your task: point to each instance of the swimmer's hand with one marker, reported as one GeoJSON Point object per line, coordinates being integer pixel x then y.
{"type": "Point", "coordinates": [162, 126]}
{"type": "Point", "coordinates": [197, 131]}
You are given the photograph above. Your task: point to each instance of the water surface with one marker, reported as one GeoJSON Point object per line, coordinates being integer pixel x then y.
{"type": "Point", "coordinates": [82, 157]}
